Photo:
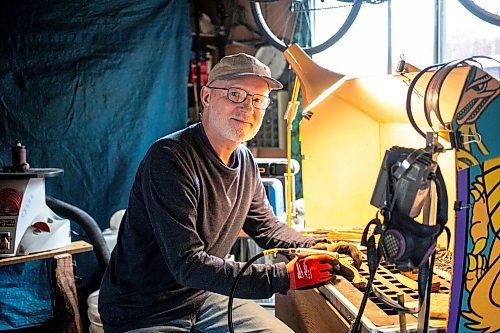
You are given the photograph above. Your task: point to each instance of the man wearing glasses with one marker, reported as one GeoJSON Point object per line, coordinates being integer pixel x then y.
{"type": "Point", "coordinates": [194, 191]}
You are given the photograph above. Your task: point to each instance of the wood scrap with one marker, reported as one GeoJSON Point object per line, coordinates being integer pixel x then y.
{"type": "Point", "coordinates": [357, 280]}
{"type": "Point", "coordinates": [66, 313]}
{"type": "Point", "coordinates": [412, 284]}
{"type": "Point", "coordinates": [411, 274]}
{"type": "Point", "coordinates": [440, 305]}
{"type": "Point", "coordinates": [350, 234]}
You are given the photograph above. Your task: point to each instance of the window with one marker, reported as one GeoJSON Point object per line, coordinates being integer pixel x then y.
{"type": "Point", "coordinates": [380, 35]}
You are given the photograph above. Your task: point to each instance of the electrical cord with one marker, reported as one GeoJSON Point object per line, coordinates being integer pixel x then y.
{"type": "Point", "coordinates": [233, 290]}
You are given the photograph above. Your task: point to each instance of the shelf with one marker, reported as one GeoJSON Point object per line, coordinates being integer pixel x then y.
{"type": "Point", "coordinates": [75, 247]}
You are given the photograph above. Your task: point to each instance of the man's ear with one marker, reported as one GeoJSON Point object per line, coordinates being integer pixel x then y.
{"type": "Point", "coordinates": [205, 96]}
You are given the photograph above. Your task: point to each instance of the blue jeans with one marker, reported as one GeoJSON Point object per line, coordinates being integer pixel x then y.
{"type": "Point", "coordinates": [248, 316]}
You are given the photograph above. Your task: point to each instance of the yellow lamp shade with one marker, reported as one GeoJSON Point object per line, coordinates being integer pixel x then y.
{"type": "Point", "coordinates": [316, 82]}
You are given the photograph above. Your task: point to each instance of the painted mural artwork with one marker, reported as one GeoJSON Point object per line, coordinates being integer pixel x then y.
{"type": "Point", "coordinates": [479, 96]}
{"type": "Point", "coordinates": [483, 264]}
{"type": "Point", "coordinates": [475, 299]}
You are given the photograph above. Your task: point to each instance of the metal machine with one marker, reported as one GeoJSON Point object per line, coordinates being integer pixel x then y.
{"type": "Point", "coordinates": [27, 224]}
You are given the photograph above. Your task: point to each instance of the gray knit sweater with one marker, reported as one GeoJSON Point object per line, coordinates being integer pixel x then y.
{"type": "Point", "coordinates": [185, 212]}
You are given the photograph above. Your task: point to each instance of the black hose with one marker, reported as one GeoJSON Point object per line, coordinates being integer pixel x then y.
{"type": "Point", "coordinates": [233, 290]}
{"type": "Point", "coordinates": [88, 224]}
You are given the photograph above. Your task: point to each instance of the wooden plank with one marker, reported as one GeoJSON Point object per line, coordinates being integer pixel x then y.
{"type": "Point", "coordinates": [307, 311]}
{"type": "Point", "coordinates": [440, 305]}
{"type": "Point", "coordinates": [66, 312]}
{"type": "Point", "coordinates": [75, 247]}
{"type": "Point", "coordinates": [412, 284]}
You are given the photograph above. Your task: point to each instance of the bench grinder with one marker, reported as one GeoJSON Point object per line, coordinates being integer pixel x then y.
{"type": "Point", "coordinates": [27, 224]}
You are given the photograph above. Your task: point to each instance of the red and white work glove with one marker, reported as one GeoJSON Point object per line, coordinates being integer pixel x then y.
{"type": "Point", "coordinates": [311, 271]}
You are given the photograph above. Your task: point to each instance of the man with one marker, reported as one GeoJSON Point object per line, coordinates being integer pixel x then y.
{"type": "Point", "coordinates": [193, 193]}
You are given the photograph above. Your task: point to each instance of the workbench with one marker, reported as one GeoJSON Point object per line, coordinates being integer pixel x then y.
{"type": "Point", "coordinates": [65, 300]}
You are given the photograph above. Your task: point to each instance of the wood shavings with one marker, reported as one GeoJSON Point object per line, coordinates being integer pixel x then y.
{"type": "Point", "coordinates": [444, 261]}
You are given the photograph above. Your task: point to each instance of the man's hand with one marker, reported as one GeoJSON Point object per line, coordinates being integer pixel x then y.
{"type": "Point", "coordinates": [342, 248]}
{"type": "Point", "coordinates": [311, 271]}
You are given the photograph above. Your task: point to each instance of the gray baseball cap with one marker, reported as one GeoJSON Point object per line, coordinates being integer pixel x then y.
{"type": "Point", "coordinates": [242, 64]}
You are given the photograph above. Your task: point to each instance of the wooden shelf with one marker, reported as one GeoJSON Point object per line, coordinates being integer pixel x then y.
{"type": "Point", "coordinates": [75, 247]}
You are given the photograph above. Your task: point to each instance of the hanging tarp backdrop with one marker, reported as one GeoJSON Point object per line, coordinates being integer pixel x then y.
{"type": "Point", "coordinates": [87, 86]}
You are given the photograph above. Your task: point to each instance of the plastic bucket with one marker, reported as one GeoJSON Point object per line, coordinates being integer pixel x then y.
{"type": "Point", "coordinates": [93, 314]}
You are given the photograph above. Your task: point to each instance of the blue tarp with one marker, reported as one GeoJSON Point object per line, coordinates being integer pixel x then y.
{"type": "Point", "coordinates": [87, 86]}
{"type": "Point", "coordinates": [26, 294]}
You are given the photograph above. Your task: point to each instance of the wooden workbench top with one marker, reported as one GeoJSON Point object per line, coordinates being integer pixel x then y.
{"type": "Point", "coordinates": [75, 247]}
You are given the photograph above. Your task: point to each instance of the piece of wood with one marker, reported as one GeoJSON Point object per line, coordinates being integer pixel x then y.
{"type": "Point", "coordinates": [350, 234]}
{"type": "Point", "coordinates": [347, 264]}
{"type": "Point", "coordinates": [307, 311]}
{"type": "Point", "coordinates": [412, 284]}
{"type": "Point", "coordinates": [411, 274]}
{"type": "Point", "coordinates": [66, 313]}
{"type": "Point", "coordinates": [402, 315]}
{"type": "Point", "coordinates": [75, 247]}
{"type": "Point", "coordinates": [440, 305]}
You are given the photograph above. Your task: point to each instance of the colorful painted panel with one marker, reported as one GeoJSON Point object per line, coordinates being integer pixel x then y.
{"type": "Point", "coordinates": [477, 119]}
{"type": "Point", "coordinates": [475, 300]}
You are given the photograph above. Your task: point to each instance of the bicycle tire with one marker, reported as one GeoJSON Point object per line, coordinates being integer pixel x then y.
{"type": "Point", "coordinates": [282, 46]}
{"type": "Point", "coordinates": [482, 13]}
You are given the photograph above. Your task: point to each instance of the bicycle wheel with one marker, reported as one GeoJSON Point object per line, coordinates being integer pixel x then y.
{"type": "Point", "coordinates": [298, 21]}
{"type": "Point", "coordinates": [486, 10]}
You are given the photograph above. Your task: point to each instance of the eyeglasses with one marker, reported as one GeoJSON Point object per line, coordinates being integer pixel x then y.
{"type": "Point", "coordinates": [238, 95]}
